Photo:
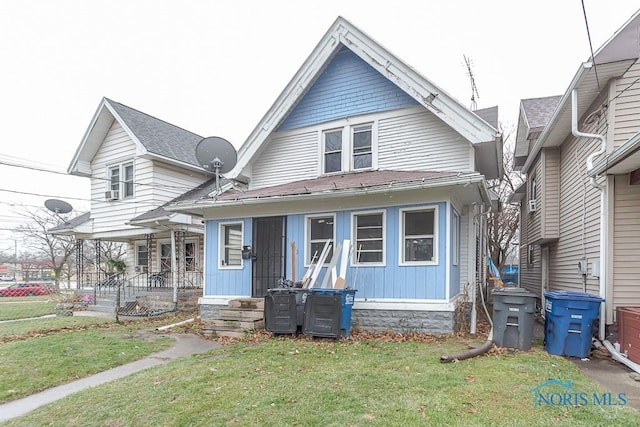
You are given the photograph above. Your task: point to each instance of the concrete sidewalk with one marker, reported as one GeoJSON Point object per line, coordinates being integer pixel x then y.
{"type": "Point", "coordinates": [185, 345]}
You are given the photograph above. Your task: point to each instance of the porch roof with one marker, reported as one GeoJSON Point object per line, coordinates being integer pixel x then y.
{"type": "Point", "coordinates": [340, 185]}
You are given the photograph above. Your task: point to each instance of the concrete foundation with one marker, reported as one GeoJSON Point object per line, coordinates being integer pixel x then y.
{"type": "Point", "coordinates": [426, 322]}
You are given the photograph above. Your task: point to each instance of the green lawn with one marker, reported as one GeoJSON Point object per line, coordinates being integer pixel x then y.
{"type": "Point", "coordinates": [37, 358]}
{"type": "Point", "coordinates": [23, 329]}
{"type": "Point", "coordinates": [19, 308]}
{"type": "Point", "coordinates": [287, 381]}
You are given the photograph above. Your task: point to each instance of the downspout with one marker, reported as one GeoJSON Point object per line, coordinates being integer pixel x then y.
{"type": "Point", "coordinates": [474, 310]}
{"type": "Point", "coordinates": [603, 207]}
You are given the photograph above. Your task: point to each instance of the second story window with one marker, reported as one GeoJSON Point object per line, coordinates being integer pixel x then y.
{"type": "Point", "coordinates": [120, 181]}
{"type": "Point", "coordinates": [348, 148]}
{"type": "Point", "coordinates": [333, 151]}
{"type": "Point", "coordinates": [362, 147]}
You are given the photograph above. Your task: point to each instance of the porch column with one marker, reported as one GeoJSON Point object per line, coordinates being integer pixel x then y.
{"type": "Point", "coordinates": [174, 270]}
{"type": "Point", "coordinates": [79, 263]}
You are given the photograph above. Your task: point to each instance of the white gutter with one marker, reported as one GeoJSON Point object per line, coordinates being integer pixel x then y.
{"type": "Point", "coordinates": [603, 207]}
{"type": "Point", "coordinates": [619, 155]}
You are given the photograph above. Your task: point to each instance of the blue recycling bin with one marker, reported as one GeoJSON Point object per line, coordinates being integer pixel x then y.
{"type": "Point", "coordinates": [327, 312]}
{"type": "Point", "coordinates": [569, 322]}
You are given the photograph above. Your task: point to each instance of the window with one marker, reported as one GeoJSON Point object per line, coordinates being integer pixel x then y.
{"type": "Point", "coordinates": [362, 149]}
{"type": "Point", "coordinates": [418, 236]}
{"type": "Point", "coordinates": [121, 179]}
{"type": "Point", "coordinates": [530, 255]}
{"type": "Point", "coordinates": [231, 245]}
{"type": "Point", "coordinates": [348, 148]}
{"type": "Point", "coordinates": [455, 238]}
{"type": "Point", "coordinates": [190, 256]}
{"type": "Point", "coordinates": [142, 255]}
{"type": "Point", "coordinates": [319, 230]}
{"type": "Point", "coordinates": [368, 238]}
{"type": "Point", "coordinates": [165, 257]}
{"type": "Point", "coordinates": [333, 151]}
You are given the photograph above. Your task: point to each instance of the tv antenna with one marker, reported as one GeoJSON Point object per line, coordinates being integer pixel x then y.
{"type": "Point", "coordinates": [58, 207]}
{"type": "Point", "coordinates": [474, 89]}
{"type": "Point", "coordinates": [216, 155]}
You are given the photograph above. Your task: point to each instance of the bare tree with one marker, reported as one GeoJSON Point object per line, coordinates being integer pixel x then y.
{"type": "Point", "coordinates": [54, 249]}
{"type": "Point", "coordinates": [503, 231]}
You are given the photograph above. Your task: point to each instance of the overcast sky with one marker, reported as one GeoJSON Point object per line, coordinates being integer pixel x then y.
{"type": "Point", "coordinates": [215, 67]}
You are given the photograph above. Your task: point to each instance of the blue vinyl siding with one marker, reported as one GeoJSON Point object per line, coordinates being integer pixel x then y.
{"type": "Point", "coordinates": [379, 282]}
{"type": "Point", "coordinates": [226, 281]}
{"type": "Point", "coordinates": [347, 87]}
{"type": "Point", "coordinates": [454, 275]}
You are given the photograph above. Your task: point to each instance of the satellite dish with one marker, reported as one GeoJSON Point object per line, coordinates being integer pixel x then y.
{"type": "Point", "coordinates": [216, 155]}
{"type": "Point", "coordinates": [58, 206]}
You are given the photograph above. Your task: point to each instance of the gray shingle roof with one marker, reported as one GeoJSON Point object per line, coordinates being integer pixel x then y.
{"type": "Point", "coordinates": [345, 181]}
{"type": "Point", "coordinates": [158, 136]}
{"type": "Point", "coordinates": [538, 111]}
{"type": "Point", "coordinates": [200, 192]}
{"type": "Point", "coordinates": [489, 115]}
{"type": "Point", "coordinates": [72, 223]}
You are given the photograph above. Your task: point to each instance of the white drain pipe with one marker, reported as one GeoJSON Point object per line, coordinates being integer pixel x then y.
{"type": "Point", "coordinates": [603, 207]}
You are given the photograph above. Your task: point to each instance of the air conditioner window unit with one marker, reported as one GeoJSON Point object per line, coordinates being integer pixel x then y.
{"type": "Point", "coordinates": [533, 205]}
{"type": "Point", "coordinates": [111, 195]}
{"type": "Point", "coordinates": [142, 268]}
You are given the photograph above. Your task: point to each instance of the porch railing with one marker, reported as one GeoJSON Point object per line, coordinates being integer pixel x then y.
{"type": "Point", "coordinates": [107, 283]}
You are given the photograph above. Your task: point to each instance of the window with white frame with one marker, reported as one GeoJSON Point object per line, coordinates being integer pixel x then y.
{"type": "Point", "coordinates": [332, 145]}
{"type": "Point", "coordinates": [190, 256]}
{"type": "Point", "coordinates": [530, 255]}
{"type": "Point", "coordinates": [142, 255]}
{"type": "Point", "coordinates": [455, 238]}
{"type": "Point", "coordinates": [418, 236]}
{"type": "Point", "coordinates": [368, 238]}
{"type": "Point", "coordinates": [231, 245]}
{"type": "Point", "coordinates": [121, 180]}
{"type": "Point", "coordinates": [320, 229]}
{"type": "Point", "coordinates": [165, 257]}
{"type": "Point", "coordinates": [348, 148]}
{"type": "Point", "coordinates": [362, 147]}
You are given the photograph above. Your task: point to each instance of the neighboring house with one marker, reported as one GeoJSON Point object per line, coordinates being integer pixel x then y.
{"type": "Point", "coordinates": [358, 146]}
{"type": "Point", "coordinates": [580, 205]}
{"type": "Point", "coordinates": [137, 164]}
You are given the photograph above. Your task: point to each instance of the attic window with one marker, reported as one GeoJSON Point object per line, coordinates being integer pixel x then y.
{"type": "Point", "coordinates": [349, 148]}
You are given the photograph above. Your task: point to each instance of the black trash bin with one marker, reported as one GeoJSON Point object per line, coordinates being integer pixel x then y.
{"type": "Point", "coordinates": [284, 310]}
{"type": "Point", "coordinates": [513, 317]}
{"type": "Point", "coordinates": [327, 313]}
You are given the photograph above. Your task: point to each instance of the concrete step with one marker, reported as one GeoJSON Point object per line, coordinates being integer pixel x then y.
{"type": "Point", "coordinates": [240, 314]}
{"type": "Point", "coordinates": [247, 303]}
{"type": "Point", "coordinates": [223, 324]}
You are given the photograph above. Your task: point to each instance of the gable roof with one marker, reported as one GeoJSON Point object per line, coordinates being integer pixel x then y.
{"type": "Point", "coordinates": [534, 115]}
{"type": "Point", "coordinates": [344, 34]}
{"type": "Point", "coordinates": [153, 137]}
{"type": "Point", "coordinates": [611, 60]}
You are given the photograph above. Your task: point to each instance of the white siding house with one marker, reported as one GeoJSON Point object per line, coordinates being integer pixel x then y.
{"type": "Point", "coordinates": [586, 187]}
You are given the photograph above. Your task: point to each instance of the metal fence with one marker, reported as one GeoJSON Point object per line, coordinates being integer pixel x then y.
{"type": "Point", "coordinates": [101, 295]}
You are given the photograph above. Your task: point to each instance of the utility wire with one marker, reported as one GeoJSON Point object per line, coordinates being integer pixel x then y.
{"type": "Point", "coordinates": [40, 169]}
{"type": "Point", "coordinates": [586, 23]}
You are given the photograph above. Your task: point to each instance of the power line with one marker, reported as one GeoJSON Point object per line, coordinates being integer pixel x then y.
{"type": "Point", "coordinates": [586, 23]}
{"type": "Point", "coordinates": [40, 169]}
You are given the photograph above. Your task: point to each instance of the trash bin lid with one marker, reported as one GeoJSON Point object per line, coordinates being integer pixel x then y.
{"type": "Point", "coordinates": [511, 290]}
{"type": "Point", "coordinates": [572, 295]}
